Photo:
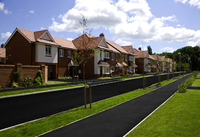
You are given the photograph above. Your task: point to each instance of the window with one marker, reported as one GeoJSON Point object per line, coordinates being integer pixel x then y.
{"type": "Point", "coordinates": [48, 51]}
{"type": "Point", "coordinates": [116, 57]}
{"type": "Point", "coordinates": [107, 69]}
{"type": "Point", "coordinates": [106, 55]}
{"type": "Point", "coordinates": [130, 69]}
{"type": "Point", "coordinates": [113, 69]}
{"type": "Point", "coordinates": [113, 56]}
{"type": "Point", "coordinates": [100, 55]}
{"type": "Point", "coordinates": [69, 54]}
{"type": "Point", "coordinates": [61, 53]}
{"type": "Point", "coordinates": [130, 58]}
{"type": "Point", "coordinates": [125, 57]}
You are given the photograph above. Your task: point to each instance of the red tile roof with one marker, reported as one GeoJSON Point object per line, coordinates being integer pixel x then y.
{"type": "Point", "coordinates": [34, 37]}
{"type": "Point", "coordinates": [115, 45]}
{"type": "Point", "coordinates": [129, 49]}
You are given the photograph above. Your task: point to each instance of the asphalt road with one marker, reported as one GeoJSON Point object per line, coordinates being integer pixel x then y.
{"type": "Point", "coordinates": [116, 122]}
{"type": "Point", "coordinates": [16, 110]}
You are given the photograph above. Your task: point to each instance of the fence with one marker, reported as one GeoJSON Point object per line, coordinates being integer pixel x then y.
{"type": "Point", "coordinates": [6, 72]}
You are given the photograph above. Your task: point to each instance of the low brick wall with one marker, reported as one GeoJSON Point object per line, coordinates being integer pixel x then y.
{"type": "Point", "coordinates": [6, 72]}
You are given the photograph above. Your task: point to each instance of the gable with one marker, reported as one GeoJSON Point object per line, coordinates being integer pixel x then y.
{"type": "Point", "coordinates": [103, 43]}
{"type": "Point", "coordinates": [46, 36]}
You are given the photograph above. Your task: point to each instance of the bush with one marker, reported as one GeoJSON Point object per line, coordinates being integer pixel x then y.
{"type": "Point", "coordinates": [39, 80]}
{"type": "Point", "coordinates": [195, 73]}
{"type": "Point", "coordinates": [182, 88]}
{"type": "Point", "coordinates": [190, 81]}
{"type": "Point", "coordinates": [14, 84]}
{"type": "Point", "coordinates": [28, 82]}
{"type": "Point", "coordinates": [65, 77]}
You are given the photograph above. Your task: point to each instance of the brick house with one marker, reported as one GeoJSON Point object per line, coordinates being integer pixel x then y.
{"type": "Point", "coordinates": [39, 47]}
{"type": "Point", "coordinates": [131, 58]}
{"type": "Point", "coordinates": [144, 61]}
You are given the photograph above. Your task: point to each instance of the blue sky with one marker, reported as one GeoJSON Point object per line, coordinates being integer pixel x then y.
{"type": "Point", "coordinates": [165, 25]}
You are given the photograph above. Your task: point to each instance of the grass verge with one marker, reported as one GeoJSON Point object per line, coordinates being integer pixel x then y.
{"type": "Point", "coordinates": [177, 117]}
{"type": "Point", "coordinates": [134, 77]}
{"type": "Point", "coordinates": [7, 93]}
{"type": "Point", "coordinates": [41, 126]}
{"type": "Point", "coordinates": [55, 82]}
{"type": "Point", "coordinates": [196, 83]}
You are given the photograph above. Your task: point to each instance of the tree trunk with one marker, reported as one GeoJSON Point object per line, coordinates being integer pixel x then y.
{"type": "Point", "coordinates": [84, 73]}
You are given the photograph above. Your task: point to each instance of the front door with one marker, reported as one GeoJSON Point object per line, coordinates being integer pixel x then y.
{"type": "Point", "coordinates": [71, 71]}
{"type": "Point", "coordinates": [101, 73]}
{"type": "Point", "coordinates": [50, 75]}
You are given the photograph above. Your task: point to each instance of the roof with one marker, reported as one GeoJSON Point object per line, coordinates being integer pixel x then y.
{"type": "Point", "coordinates": [140, 54]}
{"type": "Point", "coordinates": [129, 49]}
{"type": "Point", "coordinates": [32, 36]}
{"type": "Point", "coordinates": [64, 43]}
{"type": "Point", "coordinates": [2, 52]}
{"type": "Point", "coordinates": [116, 46]}
{"type": "Point", "coordinates": [103, 63]}
{"type": "Point", "coordinates": [155, 57]}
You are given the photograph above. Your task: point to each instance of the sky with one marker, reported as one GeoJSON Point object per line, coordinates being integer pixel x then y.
{"type": "Point", "coordinates": [165, 25]}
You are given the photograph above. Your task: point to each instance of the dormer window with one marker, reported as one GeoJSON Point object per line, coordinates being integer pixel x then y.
{"type": "Point", "coordinates": [125, 57]}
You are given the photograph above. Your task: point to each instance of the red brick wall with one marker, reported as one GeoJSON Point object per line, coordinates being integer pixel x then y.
{"type": "Point", "coordinates": [140, 63]}
{"type": "Point", "coordinates": [18, 49]}
{"type": "Point", "coordinates": [6, 72]}
{"type": "Point", "coordinates": [63, 63]}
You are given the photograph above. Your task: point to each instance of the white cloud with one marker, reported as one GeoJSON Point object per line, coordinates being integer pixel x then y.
{"type": "Point", "coordinates": [191, 2]}
{"type": "Point", "coordinates": [70, 39]}
{"type": "Point", "coordinates": [5, 35]}
{"type": "Point", "coordinates": [31, 11]}
{"type": "Point", "coordinates": [1, 6]}
{"type": "Point", "coordinates": [167, 49]}
{"type": "Point", "coordinates": [6, 11]}
{"type": "Point", "coordinates": [123, 42]}
{"type": "Point", "coordinates": [42, 28]}
{"type": "Point", "coordinates": [127, 20]}
{"type": "Point", "coordinates": [193, 44]}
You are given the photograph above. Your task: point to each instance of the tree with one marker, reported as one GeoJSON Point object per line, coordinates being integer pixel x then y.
{"type": "Point", "coordinates": [149, 50]}
{"type": "Point", "coordinates": [84, 50]}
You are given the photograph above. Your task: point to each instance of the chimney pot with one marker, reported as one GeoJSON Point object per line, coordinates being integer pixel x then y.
{"type": "Point", "coordinates": [101, 35]}
{"type": "Point", "coordinates": [139, 48]}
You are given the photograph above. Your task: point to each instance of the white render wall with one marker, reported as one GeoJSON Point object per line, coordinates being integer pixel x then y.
{"type": "Point", "coordinates": [96, 60]}
{"type": "Point", "coordinates": [40, 54]}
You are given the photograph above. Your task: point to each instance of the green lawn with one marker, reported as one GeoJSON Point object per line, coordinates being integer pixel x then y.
{"type": "Point", "coordinates": [41, 126]}
{"type": "Point", "coordinates": [198, 76]}
{"type": "Point", "coordinates": [35, 90]}
{"type": "Point", "coordinates": [196, 83]}
{"type": "Point", "coordinates": [134, 77]}
{"type": "Point", "coordinates": [179, 117]}
{"type": "Point", "coordinates": [55, 82]}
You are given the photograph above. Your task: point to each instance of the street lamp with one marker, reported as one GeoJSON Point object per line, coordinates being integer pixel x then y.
{"type": "Point", "coordinates": [180, 61]}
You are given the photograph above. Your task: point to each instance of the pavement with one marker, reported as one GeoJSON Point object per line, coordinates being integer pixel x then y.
{"type": "Point", "coordinates": [119, 120]}
{"type": "Point", "coordinates": [25, 108]}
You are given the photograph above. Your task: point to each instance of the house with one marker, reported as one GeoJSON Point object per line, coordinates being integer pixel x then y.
{"type": "Point", "coordinates": [131, 58]}
{"type": "Point", "coordinates": [105, 62]}
{"type": "Point", "coordinates": [39, 47]}
{"type": "Point", "coordinates": [144, 61]}
{"type": "Point", "coordinates": [2, 55]}
{"type": "Point", "coordinates": [121, 61]}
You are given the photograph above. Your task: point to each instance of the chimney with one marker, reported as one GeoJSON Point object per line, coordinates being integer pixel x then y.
{"type": "Point", "coordinates": [101, 35]}
{"type": "Point", "coordinates": [2, 45]}
{"type": "Point", "coordinates": [139, 48]}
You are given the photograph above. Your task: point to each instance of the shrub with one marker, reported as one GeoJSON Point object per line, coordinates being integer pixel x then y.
{"type": "Point", "coordinates": [182, 88]}
{"type": "Point", "coordinates": [39, 80]}
{"type": "Point", "coordinates": [195, 73]}
{"type": "Point", "coordinates": [14, 84]}
{"type": "Point", "coordinates": [28, 82]}
{"type": "Point", "coordinates": [190, 81]}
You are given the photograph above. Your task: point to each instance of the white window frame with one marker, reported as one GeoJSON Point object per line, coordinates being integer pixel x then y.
{"type": "Point", "coordinates": [113, 69]}
{"type": "Point", "coordinates": [116, 57]}
{"type": "Point", "coordinates": [130, 58]}
{"type": "Point", "coordinates": [125, 57]}
{"type": "Point", "coordinates": [61, 53]}
{"type": "Point", "coordinates": [47, 51]}
{"type": "Point", "coordinates": [130, 69]}
{"type": "Point", "coordinates": [106, 55]}
{"type": "Point", "coordinates": [69, 54]}
{"type": "Point", "coordinates": [107, 70]}
{"type": "Point", "coordinates": [113, 56]}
